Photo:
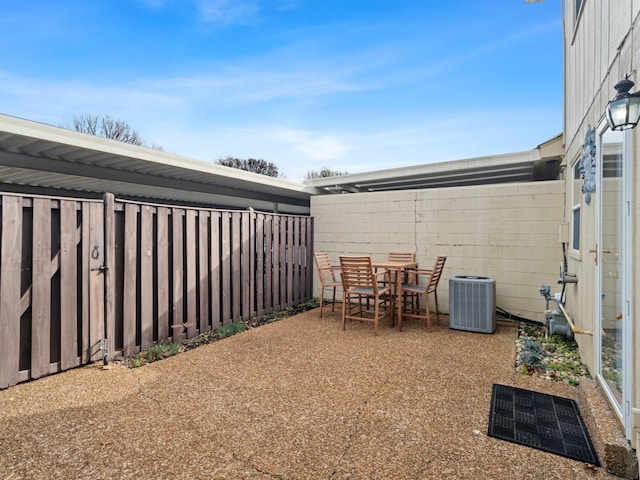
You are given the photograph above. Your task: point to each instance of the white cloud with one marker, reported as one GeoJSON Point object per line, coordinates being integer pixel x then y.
{"type": "Point", "coordinates": [228, 11]}
{"type": "Point", "coordinates": [312, 146]}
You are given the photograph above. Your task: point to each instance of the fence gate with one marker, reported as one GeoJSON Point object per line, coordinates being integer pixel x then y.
{"type": "Point", "coordinates": [51, 285]}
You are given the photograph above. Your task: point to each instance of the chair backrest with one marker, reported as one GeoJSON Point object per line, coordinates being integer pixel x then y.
{"type": "Point", "coordinates": [437, 273]}
{"type": "Point", "coordinates": [325, 269]}
{"type": "Point", "coordinates": [357, 272]}
{"type": "Point", "coordinates": [401, 256]}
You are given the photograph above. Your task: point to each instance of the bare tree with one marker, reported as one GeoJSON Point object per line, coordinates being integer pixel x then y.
{"type": "Point", "coordinates": [107, 127]}
{"type": "Point", "coordinates": [251, 165]}
{"type": "Point", "coordinates": [324, 172]}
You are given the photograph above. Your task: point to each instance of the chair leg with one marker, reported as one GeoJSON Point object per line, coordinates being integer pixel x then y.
{"type": "Point", "coordinates": [376, 313]}
{"type": "Point", "coordinates": [435, 295]}
{"type": "Point", "coordinates": [426, 308]}
{"type": "Point", "coordinates": [333, 305]}
{"type": "Point", "coordinates": [345, 300]}
{"type": "Point", "coordinates": [321, 300]}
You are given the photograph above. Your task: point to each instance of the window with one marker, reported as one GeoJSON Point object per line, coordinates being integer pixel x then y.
{"type": "Point", "coordinates": [578, 5]}
{"type": "Point", "coordinates": [576, 198]}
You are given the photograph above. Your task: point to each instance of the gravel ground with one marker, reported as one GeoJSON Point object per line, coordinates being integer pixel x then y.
{"type": "Point", "coordinates": [294, 399]}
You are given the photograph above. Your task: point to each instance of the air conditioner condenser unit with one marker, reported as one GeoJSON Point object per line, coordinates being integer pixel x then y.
{"type": "Point", "coordinates": [472, 304]}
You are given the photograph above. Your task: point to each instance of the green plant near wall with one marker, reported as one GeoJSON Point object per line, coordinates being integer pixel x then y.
{"type": "Point", "coordinates": [533, 354]}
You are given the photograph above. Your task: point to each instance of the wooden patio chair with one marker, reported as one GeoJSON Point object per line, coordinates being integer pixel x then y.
{"type": "Point", "coordinates": [403, 257]}
{"type": "Point", "coordinates": [413, 287]}
{"type": "Point", "coordinates": [328, 279]}
{"type": "Point", "coordinates": [361, 284]}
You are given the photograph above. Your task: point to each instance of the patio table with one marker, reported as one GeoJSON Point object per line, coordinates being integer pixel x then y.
{"type": "Point", "coordinates": [398, 268]}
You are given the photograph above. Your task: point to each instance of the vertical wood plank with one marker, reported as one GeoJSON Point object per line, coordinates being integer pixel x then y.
{"type": "Point", "coordinates": [284, 261]}
{"type": "Point", "coordinates": [203, 262]}
{"type": "Point", "coordinates": [236, 268]}
{"type": "Point", "coordinates": [41, 288]}
{"type": "Point", "coordinates": [110, 263]}
{"type": "Point", "coordinates": [309, 262]}
{"type": "Point", "coordinates": [252, 262]}
{"type": "Point", "coordinates": [302, 260]}
{"type": "Point", "coordinates": [225, 280]}
{"type": "Point", "coordinates": [275, 267]}
{"type": "Point", "coordinates": [215, 270]}
{"type": "Point", "coordinates": [268, 263]}
{"type": "Point", "coordinates": [146, 276]}
{"type": "Point", "coordinates": [96, 278]}
{"type": "Point", "coordinates": [83, 235]}
{"type": "Point", "coordinates": [162, 259]}
{"type": "Point", "coordinates": [191, 273]}
{"type": "Point", "coordinates": [178, 273]}
{"type": "Point", "coordinates": [10, 260]}
{"type": "Point", "coordinates": [291, 259]}
{"type": "Point", "coordinates": [246, 253]}
{"type": "Point", "coordinates": [68, 286]}
{"type": "Point", "coordinates": [295, 261]}
{"type": "Point", "coordinates": [130, 297]}
{"type": "Point", "coordinates": [261, 272]}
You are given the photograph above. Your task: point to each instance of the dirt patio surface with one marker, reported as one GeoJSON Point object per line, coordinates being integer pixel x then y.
{"type": "Point", "coordinates": [295, 399]}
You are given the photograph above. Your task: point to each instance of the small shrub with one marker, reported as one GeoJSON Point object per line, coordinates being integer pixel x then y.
{"type": "Point", "coordinates": [229, 330]}
{"type": "Point", "coordinates": [532, 360]}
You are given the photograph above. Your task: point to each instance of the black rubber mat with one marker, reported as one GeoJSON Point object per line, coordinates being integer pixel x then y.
{"type": "Point", "coordinates": [540, 421]}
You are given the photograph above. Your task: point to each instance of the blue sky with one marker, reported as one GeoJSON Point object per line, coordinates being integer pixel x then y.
{"type": "Point", "coordinates": [352, 85]}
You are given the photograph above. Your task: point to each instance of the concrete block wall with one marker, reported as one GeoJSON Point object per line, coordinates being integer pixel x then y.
{"type": "Point", "coordinates": [508, 232]}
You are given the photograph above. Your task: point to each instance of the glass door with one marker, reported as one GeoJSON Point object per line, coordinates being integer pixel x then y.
{"type": "Point", "coordinates": [613, 276]}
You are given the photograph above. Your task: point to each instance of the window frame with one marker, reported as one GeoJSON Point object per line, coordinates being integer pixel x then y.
{"type": "Point", "coordinates": [576, 209]}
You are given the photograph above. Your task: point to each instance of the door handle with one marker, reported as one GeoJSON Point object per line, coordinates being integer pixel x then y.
{"type": "Point", "coordinates": [595, 250]}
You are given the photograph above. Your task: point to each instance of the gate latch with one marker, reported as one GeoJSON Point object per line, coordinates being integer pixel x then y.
{"type": "Point", "coordinates": [101, 269]}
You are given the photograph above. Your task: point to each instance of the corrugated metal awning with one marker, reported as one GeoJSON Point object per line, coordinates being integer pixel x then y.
{"type": "Point", "coordinates": [540, 163]}
{"type": "Point", "coordinates": [40, 158]}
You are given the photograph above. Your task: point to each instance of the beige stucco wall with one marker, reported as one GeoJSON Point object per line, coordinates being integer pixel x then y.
{"type": "Point", "coordinates": [507, 232]}
{"type": "Point", "coordinates": [602, 45]}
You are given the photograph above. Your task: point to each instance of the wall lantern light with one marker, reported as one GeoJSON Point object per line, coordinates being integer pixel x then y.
{"type": "Point", "coordinates": [623, 111]}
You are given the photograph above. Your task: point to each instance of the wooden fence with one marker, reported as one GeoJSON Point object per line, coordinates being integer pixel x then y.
{"type": "Point", "coordinates": [80, 279]}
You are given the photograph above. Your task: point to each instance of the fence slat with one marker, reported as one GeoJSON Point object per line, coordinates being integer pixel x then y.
{"type": "Point", "coordinates": [216, 320]}
{"type": "Point", "coordinates": [83, 238]}
{"type": "Point", "coordinates": [236, 268]}
{"type": "Point", "coordinates": [110, 263]}
{"type": "Point", "coordinates": [177, 274]}
{"type": "Point", "coordinates": [268, 263]}
{"type": "Point", "coordinates": [68, 286]}
{"type": "Point", "coordinates": [191, 274]}
{"type": "Point", "coordinates": [260, 262]}
{"type": "Point", "coordinates": [309, 256]}
{"type": "Point", "coordinates": [10, 256]}
{"type": "Point", "coordinates": [275, 266]}
{"type": "Point", "coordinates": [146, 276]}
{"type": "Point", "coordinates": [246, 254]}
{"type": "Point", "coordinates": [129, 296]}
{"type": "Point", "coordinates": [225, 280]}
{"type": "Point", "coordinates": [41, 288]}
{"type": "Point", "coordinates": [203, 270]}
{"type": "Point", "coordinates": [295, 261]}
{"type": "Point", "coordinates": [96, 279]}
{"type": "Point", "coordinates": [302, 279]}
{"type": "Point", "coordinates": [162, 259]}
{"type": "Point", "coordinates": [284, 225]}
